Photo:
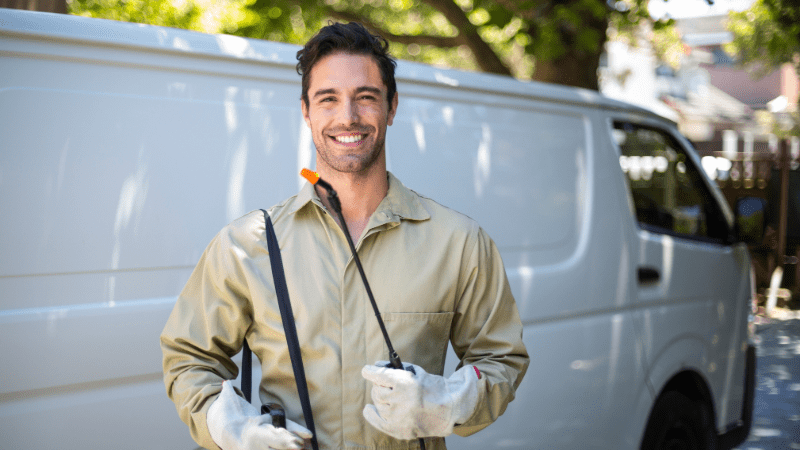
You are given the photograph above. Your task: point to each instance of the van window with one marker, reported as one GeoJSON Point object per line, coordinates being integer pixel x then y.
{"type": "Point", "coordinates": [668, 192]}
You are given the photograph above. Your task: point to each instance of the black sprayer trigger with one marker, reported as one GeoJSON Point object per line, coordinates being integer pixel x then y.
{"type": "Point", "coordinates": [394, 363]}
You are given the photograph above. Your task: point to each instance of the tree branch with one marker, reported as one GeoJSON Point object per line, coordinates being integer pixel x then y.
{"type": "Point", "coordinates": [468, 35]}
{"type": "Point", "coordinates": [485, 56]}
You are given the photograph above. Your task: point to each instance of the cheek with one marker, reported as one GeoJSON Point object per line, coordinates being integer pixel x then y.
{"type": "Point", "coordinates": [374, 115]}
{"type": "Point", "coordinates": [319, 119]}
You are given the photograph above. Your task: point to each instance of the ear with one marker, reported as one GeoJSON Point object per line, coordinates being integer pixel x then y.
{"type": "Point", "coordinates": [392, 109]}
{"type": "Point", "coordinates": [304, 108]}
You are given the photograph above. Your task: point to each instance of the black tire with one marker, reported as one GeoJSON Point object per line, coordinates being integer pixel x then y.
{"type": "Point", "coordinates": [680, 423]}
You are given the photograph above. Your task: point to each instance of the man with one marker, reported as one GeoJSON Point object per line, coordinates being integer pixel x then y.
{"type": "Point", "coordinates": [436, 276]}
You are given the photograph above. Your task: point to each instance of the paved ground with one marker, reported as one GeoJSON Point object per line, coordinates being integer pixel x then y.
{"type": "Point", "coordinates": [776, 416]}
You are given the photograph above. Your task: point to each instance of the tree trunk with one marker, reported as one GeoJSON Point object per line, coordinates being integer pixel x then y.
{"type": "Point", "coordinates": [570, 70]}
{"type": "Point", "coordinates": [55, 6]}
{"type": "Point", "coordinates": [576, 66]}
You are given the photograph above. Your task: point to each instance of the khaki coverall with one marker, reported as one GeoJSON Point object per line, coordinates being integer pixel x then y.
{"type": "Point", "coordinates": [435, 274]}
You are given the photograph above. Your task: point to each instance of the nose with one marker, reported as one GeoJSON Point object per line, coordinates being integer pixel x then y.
{"type": "Point", "coordinates": [348, 112]}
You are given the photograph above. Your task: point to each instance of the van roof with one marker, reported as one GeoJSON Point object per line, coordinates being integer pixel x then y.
{"type": "Point", "coordinates": [100, 32]}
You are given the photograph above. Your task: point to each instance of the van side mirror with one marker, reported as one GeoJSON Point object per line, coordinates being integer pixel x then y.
{"type": "Point", "coordinates": [750, 219]}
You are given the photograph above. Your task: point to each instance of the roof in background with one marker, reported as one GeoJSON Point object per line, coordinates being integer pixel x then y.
{"type": "Point", "coordinates": [717, 104]}
{"type": "Point", "coordinates": [706, 30]}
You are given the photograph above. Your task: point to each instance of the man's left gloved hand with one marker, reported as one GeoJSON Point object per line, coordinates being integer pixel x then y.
{"type": "Point", "coordinates": [409, 406]}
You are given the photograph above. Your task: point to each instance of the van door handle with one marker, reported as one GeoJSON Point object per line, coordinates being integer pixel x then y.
{"type": "Point", "coordinates": [648, 275]}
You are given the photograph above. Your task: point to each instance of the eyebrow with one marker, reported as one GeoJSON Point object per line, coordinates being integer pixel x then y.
{"type": "Point", "coordinates": [359, 90]}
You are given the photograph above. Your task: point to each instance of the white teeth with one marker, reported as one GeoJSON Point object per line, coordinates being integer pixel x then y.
{"type": "Point", "coordinates": [348, 139]}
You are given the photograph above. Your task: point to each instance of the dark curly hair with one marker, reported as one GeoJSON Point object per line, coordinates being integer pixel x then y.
{"type": "Point", "coordinates": [351, 38]}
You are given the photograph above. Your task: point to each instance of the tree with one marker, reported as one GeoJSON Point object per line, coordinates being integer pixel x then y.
{"type": "Point", "coordinates": [557, 41]}
{"type": "Point", "coordinates": [767, 36]}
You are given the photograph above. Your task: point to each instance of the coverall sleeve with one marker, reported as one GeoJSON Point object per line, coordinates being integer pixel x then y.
{"type": "Point", "coordinates": [487, 332]}
{"type": "Point", "coordinates": [206, 327]}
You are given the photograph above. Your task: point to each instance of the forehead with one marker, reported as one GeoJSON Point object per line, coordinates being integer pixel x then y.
{"type": "Point", "coordinates": [345, 71]}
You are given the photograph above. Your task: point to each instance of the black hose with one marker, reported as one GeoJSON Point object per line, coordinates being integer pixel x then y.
{"type": "Point", "coordinates": [394, 359]}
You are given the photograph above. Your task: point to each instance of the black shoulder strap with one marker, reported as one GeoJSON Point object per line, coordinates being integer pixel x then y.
{"type": "Point", "coordinates": [247, 370]}
{"type": "Point", "coordinates": [289, 329]}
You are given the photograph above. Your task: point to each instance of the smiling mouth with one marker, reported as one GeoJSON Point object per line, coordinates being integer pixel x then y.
{"type": "Point", "coordinates": [349, 138]}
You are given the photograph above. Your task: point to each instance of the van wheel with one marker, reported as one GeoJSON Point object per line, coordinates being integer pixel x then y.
{"type": "Point", "coordinates": [680, 423]}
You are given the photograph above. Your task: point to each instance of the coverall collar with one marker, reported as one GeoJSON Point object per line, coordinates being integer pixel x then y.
{"type": "Point", "coordinates": [400, 202]}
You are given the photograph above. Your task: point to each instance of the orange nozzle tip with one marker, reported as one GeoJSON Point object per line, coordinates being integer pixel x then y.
{"type": "Point", "coordinates": [309, 175]}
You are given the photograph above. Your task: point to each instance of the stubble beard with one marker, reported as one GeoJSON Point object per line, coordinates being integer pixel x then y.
{"type": "Point", "coordinates": [348, 162]}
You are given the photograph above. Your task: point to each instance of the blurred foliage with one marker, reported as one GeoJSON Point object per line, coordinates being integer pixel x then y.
{"type": "Point", "coordinates": [767, 36]}
{"type": "Point", "coordinates": [418, 30]}
{"type": "Point", "coordinates": [784, 124]}
{"type": "Point", "coordinates": [549, 40]}
{"type": "Point", "coordinates": [631, 23]}
{"type": "Point", "coordinates": [790, 126]}
{"type": "Point", "coordinates": [667, 44]}
{"type": "Point", "coordinates": [154, 12]}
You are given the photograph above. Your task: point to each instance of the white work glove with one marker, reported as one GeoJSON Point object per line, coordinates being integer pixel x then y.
{"type": "Point", "coordinates": [235, 424]}
{"type": "Point", "coordinates": [409, 406]}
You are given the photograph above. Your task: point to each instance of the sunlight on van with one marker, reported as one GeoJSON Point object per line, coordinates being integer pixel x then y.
{"type": "Point", "coordinates": [235, 45]}
{"type": "Point", "coordinates": [419, 132]}
{"type": "Point", "coordinates": [238, 168]}
{"type": "Point", "coordinates": [525, 273]}
{"type": "Point", "coordinates": [447, 115]}
{"type": "Point", "coordinates": [305, 153]}
{"type": "Point", "coordinates": [668, 247]}
{"type": "Point", "coordinates": [181, 44]}
{"type": "Point", "coordinates": [231, 119]}
{"type": "Point", "coordinates": [442, 78]}
{"type": "Point", "coordinates": [483, 160]}
{"type": "Point", "coordinates": [132, 197]}
{"type": "Point", "coordinates": [614, 351]}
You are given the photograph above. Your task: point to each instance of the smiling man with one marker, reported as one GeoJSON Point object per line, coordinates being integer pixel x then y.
{"type": "Point", "coordinates": [348, 107]}
{"type": "Point", "coordinates": [436, 275]}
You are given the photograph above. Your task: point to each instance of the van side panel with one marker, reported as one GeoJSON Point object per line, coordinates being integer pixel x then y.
{"type": "Point", "coordinates": [118, 165]}
{"type": "Point", "coordinates": [482, 151]}
{"type": "Point", "coordinates": [559, 237]}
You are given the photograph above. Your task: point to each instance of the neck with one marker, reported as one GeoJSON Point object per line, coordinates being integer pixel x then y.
{"type": "Point", "coordinates": [359, 193]}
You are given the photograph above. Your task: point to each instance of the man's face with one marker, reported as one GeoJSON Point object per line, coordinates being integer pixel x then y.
{"type": "Point", "coordinates": [348, 112]}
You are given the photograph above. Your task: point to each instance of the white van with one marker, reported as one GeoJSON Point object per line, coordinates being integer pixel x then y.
{"type": "Point", "coordinates": [124, 148]}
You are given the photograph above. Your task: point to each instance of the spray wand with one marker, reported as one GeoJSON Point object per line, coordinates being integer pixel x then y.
{"type": "Point", "coordinates": [333, 198]}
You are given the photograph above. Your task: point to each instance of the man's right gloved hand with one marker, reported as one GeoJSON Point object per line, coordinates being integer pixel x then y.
{"type": "Point", "coordinates": [235, 424]}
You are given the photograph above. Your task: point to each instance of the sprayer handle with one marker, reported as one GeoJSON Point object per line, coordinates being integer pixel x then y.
{"type": "Point", "coordinates": [395, 363]}
{"type": "Point", "coordinates": [277, 414]}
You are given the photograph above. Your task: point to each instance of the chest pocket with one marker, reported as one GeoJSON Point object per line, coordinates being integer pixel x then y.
{"type": "Point", "coordinates": [419, 338]}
